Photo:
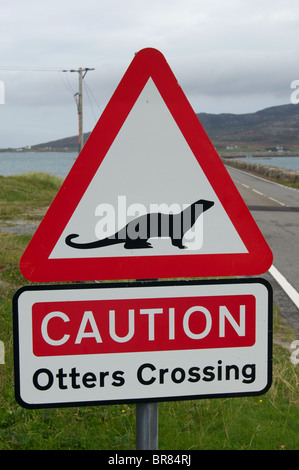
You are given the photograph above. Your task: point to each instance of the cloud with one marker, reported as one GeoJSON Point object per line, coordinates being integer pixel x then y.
{"type": "Point", "coordinates": [232, 56]}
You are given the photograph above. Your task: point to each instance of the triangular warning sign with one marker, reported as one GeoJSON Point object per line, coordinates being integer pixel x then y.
{"type": "Point", "coordinates": [148, 196]}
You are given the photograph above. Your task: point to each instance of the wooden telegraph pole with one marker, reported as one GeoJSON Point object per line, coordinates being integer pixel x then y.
{"type": "Point", "coordinates": [79, 101]}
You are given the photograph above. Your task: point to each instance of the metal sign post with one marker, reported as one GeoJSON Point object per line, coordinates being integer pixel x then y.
{"type": "Point", "coordinates": [147, 426]}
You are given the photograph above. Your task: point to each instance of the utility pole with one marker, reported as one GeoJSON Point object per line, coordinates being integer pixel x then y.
{"type": "Point", "coordinates": [79, 101]}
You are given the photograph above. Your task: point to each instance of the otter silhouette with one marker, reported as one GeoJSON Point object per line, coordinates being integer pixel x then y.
{"type": "Point", "coordinates": [136, 233]}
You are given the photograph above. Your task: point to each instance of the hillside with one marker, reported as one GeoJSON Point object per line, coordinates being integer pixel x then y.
{"type": "Point", "coordinates": [277, 126]}
{"type": "Point", "coordinates": [270, 127]}
{"type": "Point", "coordinates": [66, 144]}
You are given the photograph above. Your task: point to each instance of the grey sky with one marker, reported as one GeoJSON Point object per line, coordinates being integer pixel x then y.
{"type": "Point", "coordinates": [228, 55]}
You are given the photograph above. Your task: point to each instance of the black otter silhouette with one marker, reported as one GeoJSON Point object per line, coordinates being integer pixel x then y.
{"type": "Point", "coordinates": [137, 232]}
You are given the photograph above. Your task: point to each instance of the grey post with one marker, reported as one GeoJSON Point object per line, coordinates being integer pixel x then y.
{"type": "Point", "coordinates": [147, 426]}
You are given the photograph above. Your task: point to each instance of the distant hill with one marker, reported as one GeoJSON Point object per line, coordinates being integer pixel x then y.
{"type": "Point", "coordinates": [66, 144]}
{"type": "Point", "coordinates": [277, 126]}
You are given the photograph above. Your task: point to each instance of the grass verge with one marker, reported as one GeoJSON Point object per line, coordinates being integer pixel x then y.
{"type": "Point", "coordinates": [26, 196]}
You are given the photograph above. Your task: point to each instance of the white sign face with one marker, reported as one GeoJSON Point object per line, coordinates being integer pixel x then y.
{"type": "Point", "coordinates": [154, 341]}
{"type": "Point", "coordinates": [159, 174]}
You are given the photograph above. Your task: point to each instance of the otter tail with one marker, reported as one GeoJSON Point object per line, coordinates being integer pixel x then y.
{"type": "Point", "coordinates": [85, 246]}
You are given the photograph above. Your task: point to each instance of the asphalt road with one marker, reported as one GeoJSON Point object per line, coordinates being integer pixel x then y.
{"type": "Point", "coordinates": [275, 209]}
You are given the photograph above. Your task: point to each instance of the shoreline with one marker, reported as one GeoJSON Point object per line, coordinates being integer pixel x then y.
{"type": "Point", "coordinates": [258, 154]}
{"type": "Point", "coordinates": [266, 171]}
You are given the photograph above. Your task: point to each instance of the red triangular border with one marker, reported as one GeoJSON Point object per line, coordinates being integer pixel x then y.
{"type": "Point", "coordinates": [35, 264]}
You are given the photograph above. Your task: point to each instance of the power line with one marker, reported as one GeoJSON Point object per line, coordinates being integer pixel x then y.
{"type": "Point", "coordinates": [78, 96]}
{"type": "Point", "coordinates": [66, 83]}
{"type": "Point", "coordinates": [31, 69]}
{"type": "Point", "coordinates": [79, 100]}
{"type": "Point", "coordinates": [88, 96]}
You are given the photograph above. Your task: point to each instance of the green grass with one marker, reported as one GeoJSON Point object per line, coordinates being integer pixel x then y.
{"type": "Point", "coordinates": [290, 185]}
{"type": "Point", "coordinates": [270, 421]}
{"type": "Point", "coordinates": [27, 196]}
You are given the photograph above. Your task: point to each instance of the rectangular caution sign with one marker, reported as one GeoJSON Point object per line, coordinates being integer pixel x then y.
{"type": "Point", "coordinates": [145, 341]}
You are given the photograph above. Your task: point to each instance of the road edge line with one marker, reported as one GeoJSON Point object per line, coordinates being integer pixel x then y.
{"type": "Point", "coordinates": [286, 286]}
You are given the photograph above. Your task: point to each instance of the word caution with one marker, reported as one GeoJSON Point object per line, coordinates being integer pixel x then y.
{"type": "Point", "coordinates": [112, 326]}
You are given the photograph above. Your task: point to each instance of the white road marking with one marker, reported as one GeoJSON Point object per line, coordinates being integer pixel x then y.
{"type": "Point", "coordinates": [286, 286]}
{"type": "Point", "coordinates": [263, 179]}
{"type": "Point", "coordinates": [258, 192]}
{"type": "Point", "coordinates": [275, 200]}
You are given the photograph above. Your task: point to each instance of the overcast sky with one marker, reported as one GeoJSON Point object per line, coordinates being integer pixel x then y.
{"type": "Point", "coordinates": [232, 56]}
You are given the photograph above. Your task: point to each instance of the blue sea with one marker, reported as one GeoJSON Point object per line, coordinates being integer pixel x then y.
{"type": "Point", "coordinates": [54, 163]}
{"type": "Point", "coordinates": [289, 163]}
{"type": "Point", "coordinates": [60, 163]}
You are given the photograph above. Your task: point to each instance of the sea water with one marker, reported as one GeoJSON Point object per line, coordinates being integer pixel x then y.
{"type": "Point", "coordinates": [60, 163]}
{"type": "Point", "coordinates": [289, 163]}
{"type": "Point", "coordinates": [53, 163]}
